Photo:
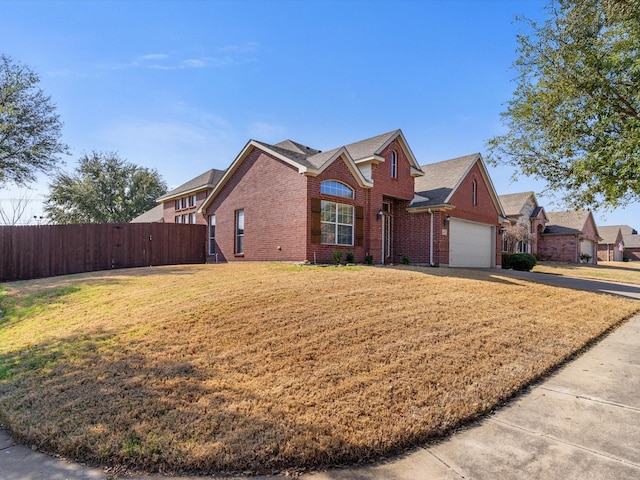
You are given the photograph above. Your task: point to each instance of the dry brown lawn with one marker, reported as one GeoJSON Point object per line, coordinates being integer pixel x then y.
{"type": "Point", "coordinates": [623, 272]}
{"type": "Point", "coordinates": [263, 367]}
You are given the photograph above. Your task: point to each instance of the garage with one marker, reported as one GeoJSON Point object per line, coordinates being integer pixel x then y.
{"type": "Point", "coordinates": [471, 244]}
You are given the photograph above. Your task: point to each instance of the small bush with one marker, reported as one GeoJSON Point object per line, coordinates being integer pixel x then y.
{"type": "Point", "coordinates": [368, 259]}
{"type": "Point", "coordinates": [523, 262]}
{"type": "Point", "coordinates": [350, 257]}
{"type": "Point", "coordinates": [405, 259]}
{"type": "Point", "coordinates": [337, 257]}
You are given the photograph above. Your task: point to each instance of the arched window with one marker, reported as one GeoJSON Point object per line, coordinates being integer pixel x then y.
{"type": "Point", "coordinates": [474, 193]}
{"type": "Point", "coordinates": [394, 164]}
{"type": "Point", "coordinates": [335, 188]}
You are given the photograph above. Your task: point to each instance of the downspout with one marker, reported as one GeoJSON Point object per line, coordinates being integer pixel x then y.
{"type": "Point", "coordinates": [430, 238]}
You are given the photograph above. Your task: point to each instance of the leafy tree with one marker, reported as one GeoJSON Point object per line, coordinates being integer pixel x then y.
{"type": "Point", "coordinates": [104, 188]}
{"type": "Point", "coordinates": [574, 119]}
{"type": "Point", "coordinates": [30, 129]}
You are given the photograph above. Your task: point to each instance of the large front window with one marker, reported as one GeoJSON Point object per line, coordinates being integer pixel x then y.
{"type": "Point", "coordinates": [336, 223]}
{"type": "Point", "coordinates": [239, 232]}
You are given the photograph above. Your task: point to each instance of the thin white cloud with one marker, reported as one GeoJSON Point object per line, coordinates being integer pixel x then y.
{"type": "Point", "coordinates": [266, 131]}
{"type": "Point", "coordinates": [240, 48]}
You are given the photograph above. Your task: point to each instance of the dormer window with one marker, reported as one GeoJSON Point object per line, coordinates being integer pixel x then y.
{"type": "Point", "coordinates": [394, 164]}
{"type": "Point", "coordinates": [337, 189]}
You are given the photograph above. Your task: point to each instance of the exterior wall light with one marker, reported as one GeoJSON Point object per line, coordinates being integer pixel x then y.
{"type": "Point", "coordinates": [446, 220]}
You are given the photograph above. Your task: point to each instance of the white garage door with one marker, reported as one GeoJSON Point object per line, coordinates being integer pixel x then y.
{"type": "Point", "coordinates": [470, 244]}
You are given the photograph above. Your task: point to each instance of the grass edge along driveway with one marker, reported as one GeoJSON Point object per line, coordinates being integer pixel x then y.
{"type": "Point", "coordinates": [264, 367]}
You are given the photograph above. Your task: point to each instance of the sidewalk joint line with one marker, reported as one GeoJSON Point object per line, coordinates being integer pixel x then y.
{"type": "Point", "coordinates": [591, 399]}
{"type": "Point", "coordinates": [565, 442]}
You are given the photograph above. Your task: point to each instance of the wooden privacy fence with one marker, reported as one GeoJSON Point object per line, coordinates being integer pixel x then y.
{"type": "Point", "coordinates": [49, 250]}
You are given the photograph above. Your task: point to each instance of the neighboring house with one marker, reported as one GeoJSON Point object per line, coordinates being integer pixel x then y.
{"type": "Point", "coordinates": [632, 247]}
{"type": "Point", "coordinates": [456, 215]}
{"type": "Point", "coordinates": [291, 202]}
{"type": "Point", "coordinates": [570, 236]}
{"type": "Point", "coordinates": [631, 241]}
{"type": "Point", "coordinates": [181, 204]}
{"type": "Point", "coordinates": [155, 215]}
{"type": "Point", "coordinates": [611, 247]}
{"type": "Point", "coordinates": [523, 211]}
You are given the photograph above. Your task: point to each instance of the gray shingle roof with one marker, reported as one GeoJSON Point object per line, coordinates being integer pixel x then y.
{"type": "Point", "coordinates": [631, 240]}
{"type": "Point", "coordinates": [512, 203]}
{"type": "Point", "coordinates": [310, 157]}
{"type": "Point", "coordinates": [155, 215]}
{"type": "Point", "coordinates": [566, 223]}
{"type": "Point", "coordinates": [208, 179]}
{"type": "Point", "coordinates": [441, 178]}
{"type": "Point", "coordinates": [609, 234]}
{"type": "Point", "coordinates": [370, 146]}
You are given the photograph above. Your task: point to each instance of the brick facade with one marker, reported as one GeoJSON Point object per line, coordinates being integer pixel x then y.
{"type": "Point", "coordinates": [273, 197]}
{"type": "Point", "coordinates": [280, 201]}
{"type": "Point", "coordinates": [567, 247]}
{"type": "Point", "coordinates": [170, 213]}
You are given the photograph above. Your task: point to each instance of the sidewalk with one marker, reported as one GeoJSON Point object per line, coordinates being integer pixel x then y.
{"type": "Point", "coordinates": [581, 423]}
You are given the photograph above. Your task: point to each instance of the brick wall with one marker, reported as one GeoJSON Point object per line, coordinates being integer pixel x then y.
{"type": "Point", "coordinates": [559, 248]}
{"type": "Point", "coordinates": [339, 171]}
{"type": "Point", "coordinates": [170, 213]}
{"type": "Point", "coordinates": [273, 197]}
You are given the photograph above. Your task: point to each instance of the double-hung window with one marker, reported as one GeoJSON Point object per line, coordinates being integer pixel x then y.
{"type": "Point", "coordinates": [336, 223]}
{"type": "Point", "coordinates": [239, 249]}
{"type": "Point", "coordinates": [212, 234]}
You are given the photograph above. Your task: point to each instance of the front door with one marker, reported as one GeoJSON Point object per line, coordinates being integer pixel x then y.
{"type": "Point", "coordinates": [387, 233]}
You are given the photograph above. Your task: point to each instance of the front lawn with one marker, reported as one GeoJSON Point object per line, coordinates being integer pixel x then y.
{"type": "Point", "coordinates": [622, 272]}
{"type": "Point", "coordinates": [262, 367]}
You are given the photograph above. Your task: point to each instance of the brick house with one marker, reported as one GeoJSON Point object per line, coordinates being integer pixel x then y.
{"type": "Point", "coordinates": [181, 204]}
{"type": "Point", "coordinates": [523, 212]}
{"type": "Point", "coordinates": [611, 247]}
{"type": "Point", "coordinates": [570, 237]}
{"type": "Point", "coordinates": [291, 202]}
{"type": "Point", "coordinates": [456, 217]}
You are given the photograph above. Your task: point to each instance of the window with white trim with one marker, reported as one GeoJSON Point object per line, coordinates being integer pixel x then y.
{"type": "Point", "coordinates": [337, 189]}
{"type": "Point", "coordinates": [394, 164]}
{"type": "Point", "coordinates": [336, 223]}
{"type": "Point", "coordinates": [192, 220]}
{"type": "Point", "coordinates": [212, 234]}
{"type": "Point", "coordinates": [239, 249]}
{"type": "Point", "coordinates": [192, 201]}
{"type": "Point", "coordinates": [178, 204]}
{"type": "Point", "coordinates": [185, 218]}
{"type": "Point", "coordinates": [178, 219]}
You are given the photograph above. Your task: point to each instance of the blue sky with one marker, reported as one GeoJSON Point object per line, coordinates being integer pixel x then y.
{"type": "Point", "coordinates": [181, 86]}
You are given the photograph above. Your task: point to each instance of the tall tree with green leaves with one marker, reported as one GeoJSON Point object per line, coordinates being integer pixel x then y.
{"type": "Point", "coordinates": [30, 128]}
{"type": "Point", "coordinates": [574, 119]}
{"type": "Point", "coordinates": [103, 189]}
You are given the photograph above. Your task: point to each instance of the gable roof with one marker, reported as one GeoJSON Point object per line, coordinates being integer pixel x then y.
{"type": "Point", "coordinates": [571, 222]}
{"type": "Point", "coordinates": [626, 229]}
{"type": "Point", "coordinates": [312, 162]}
{"type": "Point", "coordinates": [208, 179]}
{"type": "Point", "coordinates": [154, 215]}
{"type": "Point", "coordinates": [442, 179]}
{"type": "Point", "coordinates": [631, 240]}
{"type": "Point", "coordinates": [609, 234]}
{"type": "Point", "coordinates": [513, 202]}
